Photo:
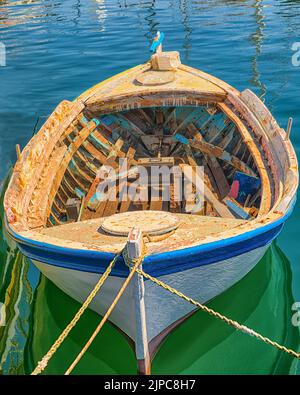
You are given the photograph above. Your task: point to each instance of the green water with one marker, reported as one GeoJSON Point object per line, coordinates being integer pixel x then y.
{"type": "Point", "coordinates": [57, 49]}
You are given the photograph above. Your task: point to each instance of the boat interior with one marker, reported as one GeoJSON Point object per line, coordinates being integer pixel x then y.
{"type": "Point", "coordinates": [181, 136]}
{"type": "Point", "coordinates": [88, 149]}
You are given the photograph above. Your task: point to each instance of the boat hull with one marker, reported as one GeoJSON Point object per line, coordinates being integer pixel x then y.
{"type": "Point", "coordinates": [202, 272]}
{"type": "Point", "coordinates": [163, 309]}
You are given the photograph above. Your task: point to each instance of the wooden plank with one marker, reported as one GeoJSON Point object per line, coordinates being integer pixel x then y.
{"type": "Point", "coordinates": [57, 207]}
{"type": "Point", "coordinates": [86, 161]}
{"type": "Point", "coordinates": [80, 138]}
{"type": "Point", "coordinates": [220, 207]}
{"type": "Point", "coordinates": [149, 121]}
{"type": "Point", "coordinates": [263, 172]}
{"type": "Point", "coordinates": [214, 167]}
{"type": "Point", "coordinates": [60, 198]}
{"type": "Point", "coordinates": [135, 128]}
{"type": "Point", "coordinates": [76, 180]}
{"type": "Point", "coordinates": [110, 160]}
{"type": "Point", "coordinates": [268, 132]}
{"type": "Point", "coordinates": [94, 151]}
{"type": "Point", "coordinates": [39, 200]}
{"type": "Point", "coordinates": [156, 205]}
{"type": "Point", "coordinates": [79, 170]}
{"type": "Point", "coordinates": [216, 151]}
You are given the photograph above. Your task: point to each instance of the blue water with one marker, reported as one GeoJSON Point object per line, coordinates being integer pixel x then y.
{"type": "Point", "coordinates": [57, 49]}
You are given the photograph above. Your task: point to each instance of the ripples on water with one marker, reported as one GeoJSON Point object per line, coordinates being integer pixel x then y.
{"type": "Point", "coordinates": [57, 49]}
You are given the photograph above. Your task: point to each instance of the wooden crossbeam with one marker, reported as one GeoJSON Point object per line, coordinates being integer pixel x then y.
{"type": "Point", "coordinates": [217, 152]}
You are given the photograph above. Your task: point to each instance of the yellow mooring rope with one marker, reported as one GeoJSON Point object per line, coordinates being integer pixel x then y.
{"type": "Point", "coordinates": [221, 317]}
{"type": "Point", "coordinates": [44, 362]}
{"type": "Point", "coordinates": [133, 265]}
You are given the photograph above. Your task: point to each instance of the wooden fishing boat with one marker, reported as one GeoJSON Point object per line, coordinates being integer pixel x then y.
{"type": "Point", "coordinates": [157, 114]}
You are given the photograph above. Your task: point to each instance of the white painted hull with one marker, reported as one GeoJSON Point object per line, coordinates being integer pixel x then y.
{"type": "Point", "coordinates": [202, 283]}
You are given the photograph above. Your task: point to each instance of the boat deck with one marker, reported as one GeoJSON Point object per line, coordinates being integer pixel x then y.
{"type": "Point", "coordinates": [192, 230]}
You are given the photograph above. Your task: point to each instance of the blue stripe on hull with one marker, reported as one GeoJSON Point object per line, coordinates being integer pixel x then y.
{"type": "Point", "coordinates": [158, 264]}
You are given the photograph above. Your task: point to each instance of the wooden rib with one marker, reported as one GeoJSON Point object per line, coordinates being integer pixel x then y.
{"type": "Point", "coordinates": [80, 171]}
{"type": "Point", "coordinates": [60, 198]}
{"type": "Point", "coordinates": [187, 120]}
{"type": "Point", "coordinates": [87, 162]}
{"type": "Point", "coordinates": [69, 130]}
{"type": "Point", "coordinates": [159, 117]}
{"type": "Point", "coordinates": [102, 140]}
{"type": "Point", "coordinates": [264, 175]}
{"type": "Point", "coordinates": [62, 189]}
{"type": "Point", "coordinates": [94, 151]}
{"type": "Point", "coordinates": [75, 180]}
{"type": "Point", "coordinates": [102, 204]}
{"type": "Point", "coordinates": [235, 151]}
{"type": "Point", "coordinates": [137, 121]}
{"type": "Point", "coordinates": [39, 200]}
{"type": "Point", "coordinates": [267, 129]}
{"type": "Point", "coordinates": [57, 207]}
{"type": "Point", "coordinates": [207, 184]}
{"type": "Point", "coordinates": [170, 117]}
{"type": "Point", "coordinates": [56, 220]}
{"type": "Point", "coordinates": [81, 137]}
{"type": "Point", "coordinates": [66, 183]}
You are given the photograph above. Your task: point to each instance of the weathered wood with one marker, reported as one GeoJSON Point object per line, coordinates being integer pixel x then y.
{"type": "Point", "coordinates": [156, 205]}
{"type": "Point", "coordinates": [37, 207]}
{"type": "Point", "coordinates": [18, 151]}
{"type": "Point", "coordinates": [213, 165]}
{"type": "Point", "coordinates": [289, 128]}
{"type": "Point", "coordinates": [253, 148]}
{"type": "Point", "coordinates": [135, 249]}
{"type": "Point", "coordinates": [81, 137]}
{"type": "Point", "coordinates": [217, 152]}
{"type": "Point", "coordinates": [220, 207]}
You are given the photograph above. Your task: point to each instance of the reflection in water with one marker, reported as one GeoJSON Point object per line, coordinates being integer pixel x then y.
{"type": "Point", "coordinates": [150, 19]}
{"type": "Point", "coordinates": [257, 39]}
{"type": "Point", "coordinates": [101, 13]}
{"type": "Point", "coordinates": [8, 18]}
{"type": "Point", "coordinates": [185, 12]}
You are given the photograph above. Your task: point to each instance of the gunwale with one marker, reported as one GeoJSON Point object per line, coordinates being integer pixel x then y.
{"type": "Point", "coordinates": [113, 94]}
